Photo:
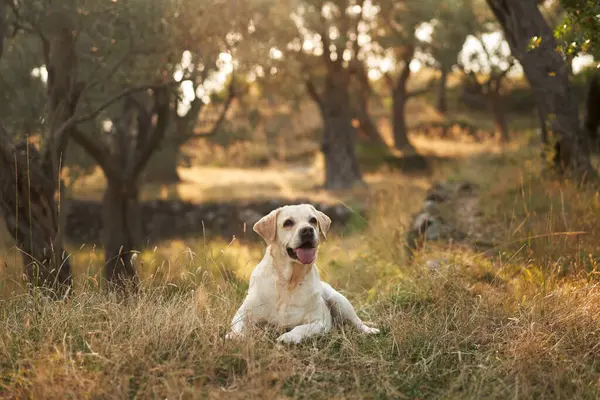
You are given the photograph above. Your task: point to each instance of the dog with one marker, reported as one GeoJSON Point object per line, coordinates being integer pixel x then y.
{"type": "Point", "coordinates": [285, 288]}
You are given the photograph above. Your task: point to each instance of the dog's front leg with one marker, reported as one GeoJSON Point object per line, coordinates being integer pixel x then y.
{"type": "Point", "coordinates": [342, 307]}
{"type": "Point", "coordinates": [239, 321]}
{"type": "Point", "coordinates": [302, 332]}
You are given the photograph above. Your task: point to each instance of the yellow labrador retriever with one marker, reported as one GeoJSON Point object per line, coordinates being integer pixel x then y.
{"type": "Point", "coordinates": [285, 288]}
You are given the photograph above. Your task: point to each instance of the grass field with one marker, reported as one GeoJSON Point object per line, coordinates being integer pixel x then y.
{"type": "Point", "coordinates": [521, 321]}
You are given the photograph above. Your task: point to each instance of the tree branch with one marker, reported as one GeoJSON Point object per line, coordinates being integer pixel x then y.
{"type": "Point", "coordinates": [313, 92]}
{"type": "Point", "coordinates": [217, 126]}
{"type": "Point", "coordinates": [123, 128]}
{"type": "Point", "coordinates": [163, 112]}
{"type": "Point", "coordinates": [405, 73]}
{"type": "Point", "coordinates": [144, 122]}
{"type": "Point", "coordinates": [230, 97]}
{"type": "Point", "coordinates": [179, 140]}
{"type": "Point", "coordinates": [196, 106]}
{"type": "Point", "coordinates": [45, 45]}
{"type": "Point", "coordinates": [499, 77]}
{"type": "Point", "coordinates": [113, 70]}
{"type": "Point", "coordinates": [98, 150]}
{"type": "Point", "coordinates": [74, 120]}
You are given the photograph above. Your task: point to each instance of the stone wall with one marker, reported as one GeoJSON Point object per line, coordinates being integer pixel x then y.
{"type": "Point", "coordinates": [163, 220]}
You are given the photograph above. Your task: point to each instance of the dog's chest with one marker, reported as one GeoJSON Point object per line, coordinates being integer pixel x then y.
{"type": "Point", "coordinates": [291, 306]}
{"type": "Point", "coordinates": [297, 306]}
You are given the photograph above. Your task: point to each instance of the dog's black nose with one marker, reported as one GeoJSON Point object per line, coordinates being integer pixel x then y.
{"type": "Point", "coordinates": [307, 231]}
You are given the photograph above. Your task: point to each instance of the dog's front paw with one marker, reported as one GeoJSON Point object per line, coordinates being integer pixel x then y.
{"type": "Point", "coordinates": [290, 338]}
{"type": "Point", "coordinates": [369, 331]}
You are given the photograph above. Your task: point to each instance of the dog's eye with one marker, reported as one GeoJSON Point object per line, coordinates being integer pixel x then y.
{"type": "Point", "coordinates": [313, 220]}
{"type": "Point", "coordinates": [288, 223]}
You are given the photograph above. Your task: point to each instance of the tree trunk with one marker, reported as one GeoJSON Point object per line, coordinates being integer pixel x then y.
{"type": "Point", "coordinates": [399, 99]}
{"type": "Point", "coordinates": [543, 129]}
{"type": "Point", "coordinates": [367, 128]}
{"type": "Point", "coordinates": [62, 96]}
{"type": "Point", "coordinates": [341, 166]}
{"type": "Point", "coordinates": [547, 74]}
{"type": "Point", "coordinates": [122, 223]}
{"type": "Point", "coordinates": [497, 110]}
{"type": "Point", "coordinates": [29, 209]}
{"type": "Point", "coordinates": [122, 231]}
{"type": "Point", "coordinates": [162, 168]}
{"type": "Point", "coordinates": [366, 125]}
{"type": "Point", "coordinates": [442, 105]}
{"type": "Point", "coordinates": [29, 180]}
{"type": "Point", "coordinates": [401, 141]}
{"type": "Point", "coordinates": [592, 112]}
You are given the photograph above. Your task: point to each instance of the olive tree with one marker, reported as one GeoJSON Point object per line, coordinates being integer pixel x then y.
{"type": "Point", "coordinates": [111, 88]}
{"type": "Point", "coordinates": [396, 34]}
{"type": "Point", "coordinates": [533, 44]}
{"type": "Point", "coordinates": [453, 22]}
{"type": "Point", "coordinates": [489, 62]}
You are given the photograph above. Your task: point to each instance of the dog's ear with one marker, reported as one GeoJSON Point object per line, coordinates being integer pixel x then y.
{"type": "Point", "coordinates": [266, 227]}
{"type": "Point", "coordinates": [324, 223]}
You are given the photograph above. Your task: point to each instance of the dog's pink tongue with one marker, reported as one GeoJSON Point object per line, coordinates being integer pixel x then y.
{"type": "Point", "coordinates": [306, 256]}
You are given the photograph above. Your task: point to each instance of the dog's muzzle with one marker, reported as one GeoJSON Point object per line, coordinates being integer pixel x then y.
{"type": "Point", "coordinates": [306, 252]}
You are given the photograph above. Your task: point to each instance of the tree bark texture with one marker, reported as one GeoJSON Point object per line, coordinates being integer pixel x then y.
{"type": "Point", "coordinates": [367, 127]}
{"type": "Point", "coordinates": [592, 111]}
{"type": "Point", "coordinates": [547, 73]}
{"type": "Point", "coordinates": [62, 95]}
{"type": "Point", "coordinates": [401, 141]}
{"type": "Point", "coordinates": [360, 105]}
{"type": "Point", "coordinates": [29, 210]}
{"type": "Point", "coordinates": [122, 231]}
{"type": "Point", "coordinates": [400, 97]}
{"type": "Point", "coordinates": [30, 180]}
{"type": "Point", "coordinates": [339, 136]}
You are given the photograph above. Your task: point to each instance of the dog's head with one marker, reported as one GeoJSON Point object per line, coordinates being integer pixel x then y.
{"type": "Point", "coordinates": [295, 231]}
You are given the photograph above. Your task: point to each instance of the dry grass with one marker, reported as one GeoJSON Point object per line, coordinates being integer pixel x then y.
{"type": "Point", "coordinates": [522, 322]}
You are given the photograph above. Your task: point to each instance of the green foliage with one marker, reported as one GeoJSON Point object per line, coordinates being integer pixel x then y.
{"type": "Point", "coordinates": [454, 21]}
{"type": "Point", "coordinates": [580, 29]}
{"type": "Point", "coordinates": [119, 45]}
{"type": "Point", "coordinates": [397, 23]}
